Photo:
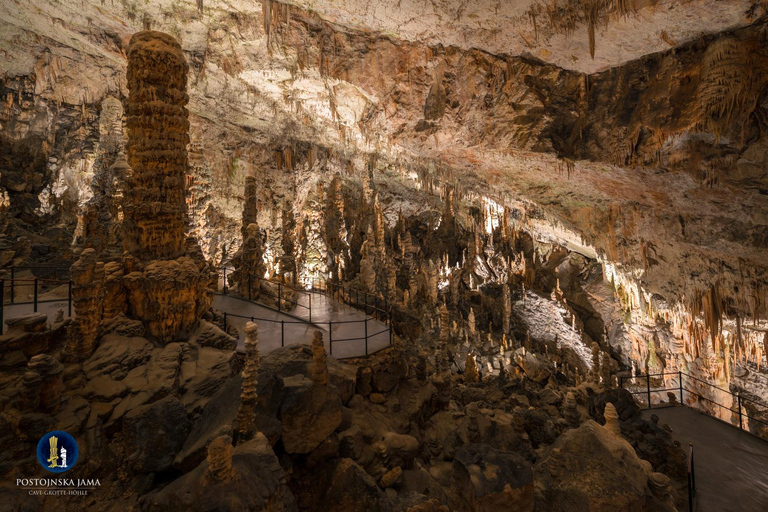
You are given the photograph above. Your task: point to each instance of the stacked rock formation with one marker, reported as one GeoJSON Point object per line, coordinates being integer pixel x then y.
{"type": "Point", "coordinates": [28, 398]}
{"type": "Point", "coordinates": [220, 459]}
{"type": "Point", "coordinates": [86, 283]}
{"type": "Point", "coordinates": [250, 206]}
{"type": "Point", "coordinates": [155, 206]}
{"type": "Point", "coordinates": [167, 289]}
{"type": "Point", "coordinates": [245, 418]}
{"type": "Point", "coordinates": [612, 419]}
{"type": "Point", "coordinates": [248, 261]}
{"type": "Point", "coordinates": [319, 360]}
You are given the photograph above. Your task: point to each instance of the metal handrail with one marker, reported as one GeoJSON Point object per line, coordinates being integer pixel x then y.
{"type": "Point", "coordinates": [682, 388]}
{"type": "Point", "coordinates": [379, 308]}
{"type": "Point", "coordinates": [36, 301]}
{"type": "Point", "coordinates": [279, 284]}
{"type": "Point", "coordinates": [367, 336]}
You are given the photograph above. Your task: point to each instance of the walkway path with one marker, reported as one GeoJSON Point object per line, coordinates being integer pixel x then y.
{"type": "Point", "coordinates": [731, 466]}
{"type": "Point", "coordinates": [49, 308]}
{"type": "Point", "coordinates": [324, 310]}
{"type": "Point", "coordinates": [272, 334]}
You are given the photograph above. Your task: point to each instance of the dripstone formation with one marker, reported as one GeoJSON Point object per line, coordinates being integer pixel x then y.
{"type": "Point", "coordinates": [504, 245]}
{"type": "Point", "coordinates": [167, 286]}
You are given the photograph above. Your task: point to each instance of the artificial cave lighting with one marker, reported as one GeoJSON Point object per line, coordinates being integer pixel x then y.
{"type": "Point", "coordinates": [346, 256]}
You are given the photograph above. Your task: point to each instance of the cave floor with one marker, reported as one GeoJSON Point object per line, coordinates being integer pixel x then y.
{"type": "Point", "coordinates": [731, 466]}
{"type": "Point", "coordinates": [348, 337]}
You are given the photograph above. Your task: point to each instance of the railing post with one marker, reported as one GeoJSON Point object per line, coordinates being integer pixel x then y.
{"type": "Point", "coordinates": [225, 280]}
{"type": "Point", "coordinates": [282, 333]}
{"type": "Point", "coordinates": [225, 321]}
{"type": "Point", "coordinates": [279, 297]}
{"type": "Point", "coordinates": [390, 327]}
{"type": "Point", "coordinates": [310, 307]}
{"type": "Point", "coordinates": [35, 295]}
{"type": "Point", "coordinates": [691, 479]}
{"type": "Point", "coordinates": [69, 299]}
{"type": "Point", "coordinates": [741, 421]}
{"type": "Point", "coordinates": [648, 382]}
{"type": "Point", "coordinates": [330, 337]}
{"type": "Point", "coordinates": [680, 376]}
{"type": "Point", "coordinates": [621, 382]}
{"type": "Point", "coordinates": [13, 278]}
{"type": "Point", "coordinates": [366, 336]}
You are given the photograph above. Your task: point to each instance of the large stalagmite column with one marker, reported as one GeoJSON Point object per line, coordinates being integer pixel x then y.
{"type": "Point", "coordinates": [155, 223]}
{"type": "Point", "coordinates": [168, 287]}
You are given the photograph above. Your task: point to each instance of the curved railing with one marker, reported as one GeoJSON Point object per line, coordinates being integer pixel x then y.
{"type": "Point", "coordinates": [685, 380]}
{"type": "Point", "coordinates": [378, 309]}
{"type": "Point", "coordinates": [373, 307]}
{"type": "Point", "coordinates": [279, 297]}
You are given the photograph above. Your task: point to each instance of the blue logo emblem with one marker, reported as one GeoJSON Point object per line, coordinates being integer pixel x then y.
{"type": "Point", "coordinates": [57, 451]}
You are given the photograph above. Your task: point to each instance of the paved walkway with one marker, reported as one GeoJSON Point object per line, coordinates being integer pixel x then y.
{"type": "Point", "coordinates": [49, 308]}
{"type": "Point", "coordinates": [349, 326]}
{"type": "Point", "coordinates": [731, 466]}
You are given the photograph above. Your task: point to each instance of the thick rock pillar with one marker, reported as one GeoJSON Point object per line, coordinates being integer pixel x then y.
{"type": "Point", "coordinates": [167, 288]}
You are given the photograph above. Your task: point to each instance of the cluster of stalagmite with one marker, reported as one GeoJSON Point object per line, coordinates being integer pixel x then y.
{"type": "Point", "coordinates": [336, 229]}
{"type": "Point", "coordinates": [250, 264]}
{"type": "Point", "coordinates": [245, 415]}
{"type": "Point", "coordinates": [315, 250]}
{"type": "Point", "coordinates": [99, 213]}
{"type": "Point", "coordinates": [250, 205]}
{"type": "Point", "coordinates": [87, 275]}
{"type": "Point", "coordinates": [167, 281]}
{"type": "Point", "coordinates": [249, 261]}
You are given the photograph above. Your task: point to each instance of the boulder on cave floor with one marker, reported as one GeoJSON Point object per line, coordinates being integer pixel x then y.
{"type": "Point", "coordinates": [258, 484]}
{"type": "Point", "coordinates": [154, 433]}
{"type": "Point", "coordinates": [309, 414]}
{"type": "Point", "coordinates": [350, 489]}
{"type": "Point", "coordinates": [487, 480]}
{"type": "Point", "coordinates": [116, 355]}
{"type": "Point", "coordinates": [219, 412]}
{"type": "Point", "coordinates": [590, 469]}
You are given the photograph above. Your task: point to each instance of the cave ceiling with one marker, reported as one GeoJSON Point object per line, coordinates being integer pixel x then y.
{"type": "Point", "coordinates": [630, 130]}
